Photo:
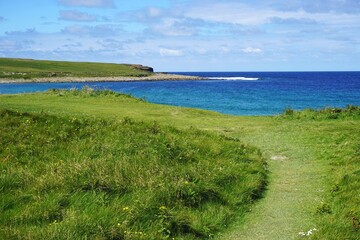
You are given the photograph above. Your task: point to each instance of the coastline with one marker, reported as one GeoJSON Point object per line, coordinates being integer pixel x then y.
{"type": "Point", "coordinates": [154, 77]}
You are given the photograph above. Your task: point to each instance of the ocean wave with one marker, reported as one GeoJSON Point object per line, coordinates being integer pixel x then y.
{"type": "Point", "coordinates": [234, 78]}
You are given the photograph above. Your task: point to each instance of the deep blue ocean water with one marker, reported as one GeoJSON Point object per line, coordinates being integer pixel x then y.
{"type": "Point", "coordinates": [237, 93]}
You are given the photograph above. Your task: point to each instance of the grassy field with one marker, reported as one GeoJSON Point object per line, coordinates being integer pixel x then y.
{"type": "Point", "coordinates": [27, 68]}
{"type": "Point", "coordinates": [313, 162]}
{"type": "Point", "coordinates": [69, 177]}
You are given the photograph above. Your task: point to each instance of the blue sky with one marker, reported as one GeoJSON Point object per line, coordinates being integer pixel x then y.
{"type": "Point", "coordinates": [187, 35]}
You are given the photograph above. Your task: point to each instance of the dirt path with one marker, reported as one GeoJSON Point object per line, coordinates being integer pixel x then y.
{"type": "Point", "coordinates": [295, 189]}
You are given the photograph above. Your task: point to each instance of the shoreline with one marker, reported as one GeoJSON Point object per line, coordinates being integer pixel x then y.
{"type": "Point", "coordinates": [154, 77]}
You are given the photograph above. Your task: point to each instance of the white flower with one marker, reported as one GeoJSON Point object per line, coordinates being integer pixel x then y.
{"type": "Point", "coordinates": [308, 233]}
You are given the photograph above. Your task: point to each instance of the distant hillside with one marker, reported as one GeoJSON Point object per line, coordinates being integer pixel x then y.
{"type": "Point", "coordinates": [29, 68]}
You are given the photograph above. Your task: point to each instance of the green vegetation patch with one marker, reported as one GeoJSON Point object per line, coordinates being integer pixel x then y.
{"type": "Point", "coordinates": [350, 112]}
{"type": "Point", "coordinates": [27, 68]}
{"type": "Point", "coordinates": [72, 178]}
{"type": "Point", "coordinates": [313, 179]}
{"type": "Point", "coordinates": [334, 134]}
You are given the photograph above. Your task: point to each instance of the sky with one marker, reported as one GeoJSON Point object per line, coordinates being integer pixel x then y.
{"type": "Point", "coordinates": [187, 35]}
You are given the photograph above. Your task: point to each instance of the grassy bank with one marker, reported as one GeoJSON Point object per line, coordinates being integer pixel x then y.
{"type": "Point", "coordinates": [11, 68]}
{"type": "Point", "coordinates": [75, 177]}
{"type": "Point", "coordinates": [313, 158]}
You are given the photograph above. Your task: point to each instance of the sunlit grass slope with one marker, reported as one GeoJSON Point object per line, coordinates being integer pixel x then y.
{"type": "Point", "coordinates": [313, 158]}
{"type": "Point", "coordinates": [28, 68]}
{"type": "Point", "coordinates": [84, 177]}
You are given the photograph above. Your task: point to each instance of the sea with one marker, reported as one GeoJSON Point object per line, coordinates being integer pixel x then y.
{"type": "Point", "coordinates": [235, 93]}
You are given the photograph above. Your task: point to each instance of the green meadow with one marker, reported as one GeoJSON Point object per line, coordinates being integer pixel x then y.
{"type": "Point", "coordinates": [85, 164]}
{"type": "Point", "coordinates": [15, 68]}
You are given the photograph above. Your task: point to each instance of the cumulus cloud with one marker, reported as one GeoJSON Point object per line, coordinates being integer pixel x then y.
{"type": "Point", "coordinates": [166, 52]}
{"type": "Point", "coordinates": [88, 3]}
{"type": "Point", "coordinates": [251, 50]}
{"type": "Point", "coordinates": [195, 33]}
{"type": "Point", "coordinates": [77, 16]}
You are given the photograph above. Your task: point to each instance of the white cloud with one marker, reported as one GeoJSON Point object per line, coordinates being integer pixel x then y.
{"type": "Point", "coordinates": [251, 15]}
{"type": "Point", "coordinates": [154, 12]}
{"type": "Point", "coordinates": [28, 32]}
{"type": "Point", "coordinates": [251, 50]}
{"type": "Point", "coordinates": [172, 27]}
{"type": "Point", "coordinates": [76, 29]}
{"type": "Point", "coordinates": [77, 16]}
{"type": "Point", "coordinates": [170, 52]}
{"type": "Point", "coordinates": [8, 45]}
{"type": "Point", "coordinates": [88, 3]}
{"type": "Point", "coordinates": [98, 31]}
{"type": "Point", "coordinates": [224, 49]}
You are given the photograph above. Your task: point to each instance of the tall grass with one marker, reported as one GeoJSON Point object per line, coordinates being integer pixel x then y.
{"type": "Point", "coordinates": [349, 112]}
{"type": "Point", "coordinates": [71, 178]}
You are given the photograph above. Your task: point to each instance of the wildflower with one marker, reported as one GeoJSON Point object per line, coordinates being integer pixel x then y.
{"type": "Point", "coordinates": [125, 209]}
{"type": "Point", "coordinates": [186, 182]}
{"type": "Point", "coordinates": [54, 222]}
{"type": "Point", "coordinates": [308, 233]}
{"type": "Point", "coordinates": [162, 207]}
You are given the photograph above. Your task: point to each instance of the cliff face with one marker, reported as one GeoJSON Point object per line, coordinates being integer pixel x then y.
{"type": "Point", "coordinates": [141, 67]}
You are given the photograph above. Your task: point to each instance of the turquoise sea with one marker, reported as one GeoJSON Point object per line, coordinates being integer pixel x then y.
{"type": "Point", "coordinates": [237, 93]}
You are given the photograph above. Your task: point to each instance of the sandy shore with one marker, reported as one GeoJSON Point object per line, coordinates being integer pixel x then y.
{"type": "Point", "coordinates": [154, 77]}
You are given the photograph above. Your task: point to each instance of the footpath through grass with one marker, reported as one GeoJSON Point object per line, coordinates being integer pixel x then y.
{"type": "Point", "coordinates": [308, 160]}
{"type": "Point", "coordinates": [313, 159]}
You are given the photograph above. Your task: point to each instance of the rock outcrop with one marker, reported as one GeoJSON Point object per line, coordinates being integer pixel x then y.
{"type": "Point", "coordinates": [141, 67]}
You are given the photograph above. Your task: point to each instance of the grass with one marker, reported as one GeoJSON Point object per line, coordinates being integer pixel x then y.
{"type": "Point", "coordinates": [76, 177]}
{"type": "Point", "coordinates": [312, 156]}
{"type": "Point", "coordinates": [350, 112]}
{"type": "Point", "coordinates": [307, 159]}
{"type": "Point", "coordinates": [27, 69]}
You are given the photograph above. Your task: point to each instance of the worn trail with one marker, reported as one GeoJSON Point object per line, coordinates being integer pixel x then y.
{"type": "Point", "coordinates": [295, 188]}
